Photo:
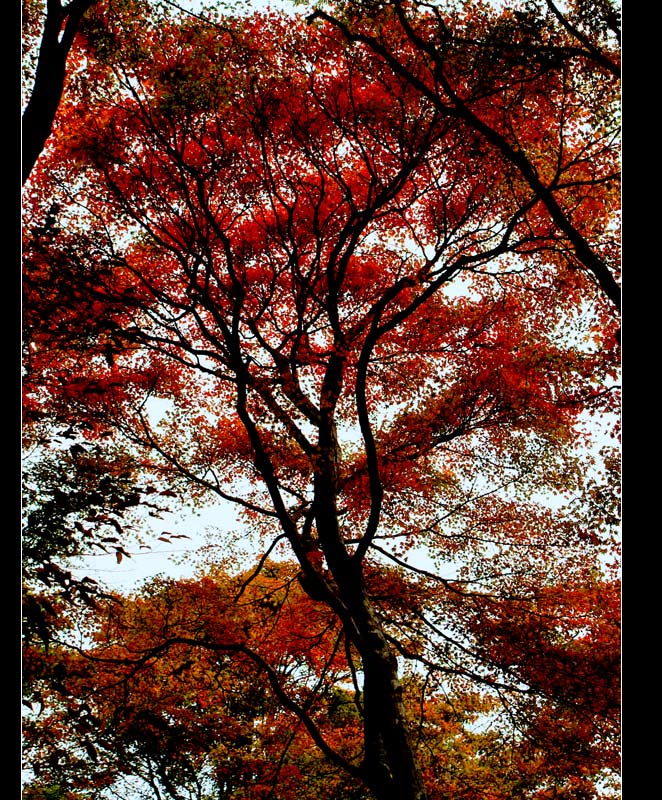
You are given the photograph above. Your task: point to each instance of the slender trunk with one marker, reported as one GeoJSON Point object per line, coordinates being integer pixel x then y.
{"type": "Point", "coordinates": [390, 768]}
{"type": "Point", "coordinates": [39, 114]}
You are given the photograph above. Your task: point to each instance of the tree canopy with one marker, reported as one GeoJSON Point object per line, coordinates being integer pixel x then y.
{"type": "Point", "coordinates": [369, 257]}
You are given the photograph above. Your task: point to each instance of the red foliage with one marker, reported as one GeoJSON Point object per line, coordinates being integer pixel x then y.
{"type": "Point", "coordinates": [359, 258]}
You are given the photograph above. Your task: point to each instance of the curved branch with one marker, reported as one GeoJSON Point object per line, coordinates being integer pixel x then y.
{"type": "Point", "coordinates": [594, 51]}
{"type": "Point", "coordinates": [235, 647]}
{"type": "Point", "coordinates": [376, 488]}
{"type": "Point", "coordinates": [259, 567]}
{"type": "Point", "coordinates": [459, 109]}
{"type": "Point", "coordinates": [212, 487]}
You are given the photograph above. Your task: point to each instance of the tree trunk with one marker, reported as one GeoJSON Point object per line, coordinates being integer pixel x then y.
{"type": "Point", "coordinates": [39, 114]}
{"type": "Point", "coordinates": [390, 765]}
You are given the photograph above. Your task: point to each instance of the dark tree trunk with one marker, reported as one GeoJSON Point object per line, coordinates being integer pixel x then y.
{"type": "Point", "coordinates": [390, 763]}
{"type": "Point", "coordinates": [46, 95]}
{"type": "Point", "coordinates": [390, 767]}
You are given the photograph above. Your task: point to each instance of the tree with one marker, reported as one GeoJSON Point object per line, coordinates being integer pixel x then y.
{"type": "Point", "coordinates": [372, 333]}
{"type": "Point", "coordinates": [196, 721]}
{"type": "Point", "coordinates": [168, 698]}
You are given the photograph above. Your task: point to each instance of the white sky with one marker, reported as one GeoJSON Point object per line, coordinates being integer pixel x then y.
{"type": "Point", "coordinates": [199, 6]}
{"type": "Point", "coordinates": [176, 559]}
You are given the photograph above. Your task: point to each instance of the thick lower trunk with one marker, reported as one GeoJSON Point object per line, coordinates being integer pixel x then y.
{"type": "Point", "coordinates": [391, 767]}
